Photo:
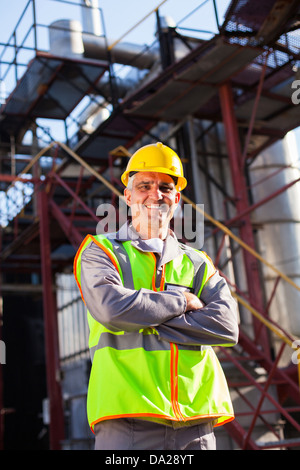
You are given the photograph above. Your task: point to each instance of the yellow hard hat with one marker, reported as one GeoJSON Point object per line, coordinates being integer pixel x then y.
{"type": "Point", "coordinates": [158, 158]}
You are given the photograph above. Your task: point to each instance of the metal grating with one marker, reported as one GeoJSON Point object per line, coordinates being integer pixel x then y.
{"type": "Point", "coordinates": [250, 15]}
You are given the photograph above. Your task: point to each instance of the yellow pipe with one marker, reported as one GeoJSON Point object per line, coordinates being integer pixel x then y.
{"type": "Point", "coordinates": [271, 327]}
{"type": "Point", "coordinates": [89, 168]}
{"type": "Point", "coordinates": [264, 320]}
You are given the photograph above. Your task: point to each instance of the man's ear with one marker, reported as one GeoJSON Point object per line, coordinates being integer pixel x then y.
{"type": "Point", "coordinates": [127, 196]}
{"type": "Point", "coordinates": [177, 198]}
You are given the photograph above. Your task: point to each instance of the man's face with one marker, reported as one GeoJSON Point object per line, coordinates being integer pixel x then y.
{"type": "Point", "coordinates": [153, 200]}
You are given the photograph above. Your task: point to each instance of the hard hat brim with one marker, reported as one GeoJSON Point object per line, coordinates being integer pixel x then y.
{"type": "Point", "coordinates": [181, 181]}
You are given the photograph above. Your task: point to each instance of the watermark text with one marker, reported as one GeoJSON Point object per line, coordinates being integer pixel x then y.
{"type": "Point", "coordinates": [296, 354]}
{"type": "Point", "coordinates": [2, 353]}
{"type": "Point", "coordinates": [296, 94]}
{"type": "Point", "coordinates": [187, 223]}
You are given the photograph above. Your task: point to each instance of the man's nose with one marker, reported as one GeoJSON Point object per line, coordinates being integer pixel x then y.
{"type": "Point", "coordinates": [156, 193]}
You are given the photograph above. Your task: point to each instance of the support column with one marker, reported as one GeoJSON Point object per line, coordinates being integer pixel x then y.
{"type": "Point", "coordinates": [56, 428]}
{"type": "Point", "coordinates": [1, 372]}
{"type": "Point", "coordinates": [242, 204]}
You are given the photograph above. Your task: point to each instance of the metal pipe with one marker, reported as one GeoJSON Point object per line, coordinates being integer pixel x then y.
{"type": "Point", "coordinates": [123, 53]}
{"type": "Point", "coordinates": [90, 14]}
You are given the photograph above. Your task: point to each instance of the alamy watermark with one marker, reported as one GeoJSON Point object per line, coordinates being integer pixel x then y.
{"type": "Point", "coordinates": [2, 353]}
{"type": "Point", "coordinates": [296, 93]}
{"type": "Point", "coordinates": [296, 354]}
{"type": "Point", "coordinates": [187, 223]}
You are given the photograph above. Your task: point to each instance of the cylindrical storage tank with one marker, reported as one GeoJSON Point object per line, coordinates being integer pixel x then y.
{"type": "Point", "coordinates": [279, 235]}
{"type": "Point", "coordinates": [65, 37]}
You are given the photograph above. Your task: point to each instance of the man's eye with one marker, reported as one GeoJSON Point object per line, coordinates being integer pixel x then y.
{"type": "Point", "coordinates": [165, 189]}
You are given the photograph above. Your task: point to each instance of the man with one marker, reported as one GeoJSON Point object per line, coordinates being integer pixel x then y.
{"type": "Point", "coordinates": [155, 308]}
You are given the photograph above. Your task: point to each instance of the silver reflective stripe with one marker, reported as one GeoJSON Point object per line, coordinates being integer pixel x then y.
{"type": "Point", "coordinates": [124, 262]}
{"type": "Point", "coordinates": [199, 268]}
{"type": "Point", "coordinates": [148, 342]}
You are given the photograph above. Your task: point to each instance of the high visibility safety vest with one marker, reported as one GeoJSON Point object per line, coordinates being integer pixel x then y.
{"type": "Point", "coordinates": [137, 374]}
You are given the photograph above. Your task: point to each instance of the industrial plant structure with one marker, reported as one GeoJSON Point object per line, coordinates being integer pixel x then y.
{"type": "Point", "coordinates": [229, 105]}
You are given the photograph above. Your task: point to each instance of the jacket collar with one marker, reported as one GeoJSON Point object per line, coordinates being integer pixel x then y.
{"type": "Point", "coordinates": [171, 247]}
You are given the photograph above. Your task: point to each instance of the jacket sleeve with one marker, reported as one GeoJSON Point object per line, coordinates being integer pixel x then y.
{"type": "Point", "coordinates": [216, 324]}
{"type": "Point", "coordinates": [119, 308]}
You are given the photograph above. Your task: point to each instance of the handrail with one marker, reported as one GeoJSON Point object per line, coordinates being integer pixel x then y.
{"type": "Point", "coordinates": [72, 154]}
{"type": "Point", "coordinates": [277, 331]}
{"type": "Point", "coordinates": [283, 336]}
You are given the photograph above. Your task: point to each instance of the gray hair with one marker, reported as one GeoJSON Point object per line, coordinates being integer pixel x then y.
{"type": "Point", "coordinates": [130, 181]}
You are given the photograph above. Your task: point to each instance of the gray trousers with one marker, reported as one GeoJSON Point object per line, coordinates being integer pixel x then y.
{"type": "Point", "coordinates": [136, 434]}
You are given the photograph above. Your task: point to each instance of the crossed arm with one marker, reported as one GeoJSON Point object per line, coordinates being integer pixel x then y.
{"type": "Point", "coordinates": [178, 317]}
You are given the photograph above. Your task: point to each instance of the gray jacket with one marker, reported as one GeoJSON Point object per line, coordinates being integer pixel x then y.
{"type": "Point", "coordinates": [120, 308]}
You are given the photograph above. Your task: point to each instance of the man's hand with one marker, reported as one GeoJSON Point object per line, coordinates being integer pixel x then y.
{"type": "Point", "coordinates": [193, 302]}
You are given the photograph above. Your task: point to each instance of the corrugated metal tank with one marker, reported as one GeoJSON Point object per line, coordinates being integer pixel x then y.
{"type": "Point", "coordinates": [279, 235]}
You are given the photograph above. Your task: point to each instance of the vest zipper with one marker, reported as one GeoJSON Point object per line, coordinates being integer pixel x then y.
{"type": "Point", "coordinates": [162, 281]}
{"type": "Point", "coordinates": [174, 354]}
{"type": "Point", "coordinates": [174, 382]}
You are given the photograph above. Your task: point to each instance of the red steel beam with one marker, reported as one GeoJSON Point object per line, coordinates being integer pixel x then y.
{"type": "Point", "coordinates": [252, 208]}
{"type": "Point", "coordinates": [56, 428]}
{"type": "Point", "coordinates": [74, 236]}
{"type": "Point", "coordinates": [238, 434]}
{"type": "Point", "coordinates": [242, 205]}
{"type": "Point", "coordinates": [254, 111]}
{"type": "Point", "coordinates": [74, 196]}
{"type": "Point", "coordinates": [290, 383]}
{"type": "Point", "coordinates": [12, 178]}
{"type": "Point", "coordinates": [264, 394]}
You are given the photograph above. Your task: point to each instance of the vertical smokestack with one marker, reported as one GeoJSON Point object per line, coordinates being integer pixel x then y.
{"type": "Point", "coordinates": [90, 14]}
